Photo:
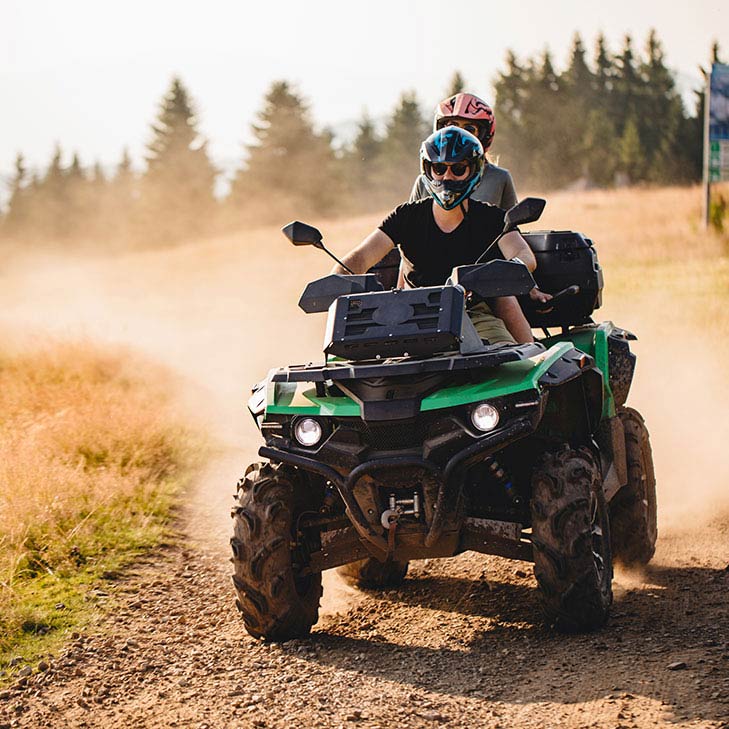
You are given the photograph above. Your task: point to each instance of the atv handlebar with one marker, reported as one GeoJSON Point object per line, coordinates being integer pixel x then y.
{"type": "Point", "coordinates": [559, 297]}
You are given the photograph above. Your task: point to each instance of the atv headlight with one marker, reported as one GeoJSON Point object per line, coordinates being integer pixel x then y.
{"type": "Point", "coordinates": [307, 431]}
{"type": "Point", "coordinates": [485, 417]}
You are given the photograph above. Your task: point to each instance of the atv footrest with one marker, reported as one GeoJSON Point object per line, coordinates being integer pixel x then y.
{"type": "Point", "coordinates": [495, 537]}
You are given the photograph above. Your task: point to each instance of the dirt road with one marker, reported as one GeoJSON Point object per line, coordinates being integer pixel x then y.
{"type": "Point", "coordinates": [462, 643]}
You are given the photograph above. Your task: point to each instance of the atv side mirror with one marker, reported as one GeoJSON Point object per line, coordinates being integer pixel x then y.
{"type": "Point", "coordinates": [301, 234]}
{"type": "Point", "coordinates": [527, 211]}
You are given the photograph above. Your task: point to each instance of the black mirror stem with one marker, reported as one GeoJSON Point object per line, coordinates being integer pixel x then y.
{"type": "Point", "coordinates": [498, 238]}
{"type": "Point", "coordinates": [329, 253]}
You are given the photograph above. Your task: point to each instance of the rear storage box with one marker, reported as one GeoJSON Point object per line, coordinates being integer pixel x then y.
{"type": "Point", "coordinates": [564, 258]}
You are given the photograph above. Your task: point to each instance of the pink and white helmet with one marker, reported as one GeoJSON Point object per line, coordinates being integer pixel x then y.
{"type": "Point", "coordinates": [468, 108]}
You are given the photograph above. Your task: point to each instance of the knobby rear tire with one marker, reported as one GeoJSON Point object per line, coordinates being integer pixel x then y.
{"type": "Point", "coordinates": [633, 510]}
{"type": "Point", "coordinates": [372, 574]}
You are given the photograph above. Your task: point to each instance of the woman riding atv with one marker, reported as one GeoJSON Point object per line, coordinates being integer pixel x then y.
{"type": "Point", "coordinates": [450, 229]}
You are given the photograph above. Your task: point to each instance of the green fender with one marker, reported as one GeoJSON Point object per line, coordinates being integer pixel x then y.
{"type": "Point", "coordinates": [593, 340]}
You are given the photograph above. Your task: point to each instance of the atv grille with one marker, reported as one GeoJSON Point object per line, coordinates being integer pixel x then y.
{"type": "Point", "coordinates": [392, 436]}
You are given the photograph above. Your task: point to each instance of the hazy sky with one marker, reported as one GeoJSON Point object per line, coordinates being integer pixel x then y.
{"type": "Point", "coordinates": [89, 74]}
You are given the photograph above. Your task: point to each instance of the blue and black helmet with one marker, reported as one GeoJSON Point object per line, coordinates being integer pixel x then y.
{"type": "Point", "coordinates": [451, 145]}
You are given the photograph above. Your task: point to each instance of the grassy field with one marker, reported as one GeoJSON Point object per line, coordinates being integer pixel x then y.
{"type": "Point", "coordinates": [92, 455]}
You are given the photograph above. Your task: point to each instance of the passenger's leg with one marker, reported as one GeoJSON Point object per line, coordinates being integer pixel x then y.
{"type": "Point", "coordinates": [507, 308]}
{"type": "Point", "coordinates": [488, 326]}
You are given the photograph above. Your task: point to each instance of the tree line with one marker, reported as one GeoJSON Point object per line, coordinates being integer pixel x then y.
{"type": "Point", "coordinates": [613, 119]}
{"type": "Point", "coordinates": [610, 120]}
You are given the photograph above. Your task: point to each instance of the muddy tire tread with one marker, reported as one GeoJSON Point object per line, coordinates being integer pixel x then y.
{"type": "Point", "coordinates": [575, 596]}
{"type": "Point", "coordinates": [633, 509]}
{"type": "Point", "coordinates": [271, 603]}
{"type": "Point", "coordinates": [371, 574]}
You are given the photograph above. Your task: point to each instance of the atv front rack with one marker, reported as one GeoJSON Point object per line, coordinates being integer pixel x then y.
{"type": "Point", "coordinates": [407, 366]}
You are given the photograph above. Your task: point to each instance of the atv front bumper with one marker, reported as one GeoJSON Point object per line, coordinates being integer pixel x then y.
{"type": "Point", "coordinates": [447, 474]}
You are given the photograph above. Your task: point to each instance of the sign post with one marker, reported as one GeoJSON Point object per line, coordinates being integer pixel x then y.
{"type": "Point", "coordinates": [716, 133]}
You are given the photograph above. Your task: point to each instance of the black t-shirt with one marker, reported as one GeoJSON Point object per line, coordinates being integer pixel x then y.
{"type": "Point", "coordinates": [428, 253]}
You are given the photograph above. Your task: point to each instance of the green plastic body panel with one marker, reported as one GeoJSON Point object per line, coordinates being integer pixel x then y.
{"type": "Point", "coordinates": [504, 380]}
{"type": "Point", "coordinates": [300, 398]}
{"type": "Point", "coordinates": [592, 340]}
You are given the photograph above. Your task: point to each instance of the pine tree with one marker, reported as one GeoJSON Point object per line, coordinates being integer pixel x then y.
{"type": "Point", "coordinates": [367, 144]}
{"type": "Point", "coordinates": [290, 169]}
{"type": "Point", "coordinates": [631, 153]}
{"type": "Point", "coordinates": [549, 150]}
{"type": "Point", "coordinates": [120, 196]}
{"type": "Point", "coordinates": [574, 100]}
{"type": "Point", "coordinates": [17, 218]}
{"type": "Point", "coordinates": [605, 71]}
{"type": "Point", "coordinates": [512, 88]}
{"type": "Point", "coordinates": [457, 85]}
{"type": "Point", "coordinates": [599, 143]}
{"type": "Point", "coordinates": [81, 206]}
{"type": "Point", "coordinates": [604, 100]}
{"type": "Point", "coordinates": [54, 175]}
{"type": "Point", "coordinates": [51, 201]}
{"type": "Point", "coordinates": [629, 86]}
{"type": "Point", "coordinates": [361, 165]}
{"type": "Point", "coordinates": [177, 189]}
{"type": "Point", "coordinates": [98, 176]}
{"type": "Point", "coordinates": [404, 133]}
{"type": "Point", "coordinates": [663, 114]}
{"type": "Point", "coordinates": [123, 183]}
{"type": "Point", "coordinates": [578, 76]}
{"type": "Point", "coordinates": [546, 76]}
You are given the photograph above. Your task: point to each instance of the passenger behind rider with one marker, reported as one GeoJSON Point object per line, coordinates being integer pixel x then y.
{"type": "Point", "coordinates": [473, 114]}
{"type": "Point", "coordinates": [470, 112]}
{"type": "Point", "coordinates": [448, 229]}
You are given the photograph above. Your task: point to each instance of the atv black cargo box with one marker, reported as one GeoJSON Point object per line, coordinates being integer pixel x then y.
{"type": "Point", "coordinates": [564, 258]}
{"type": "Point", "coordinates": [414, 321]}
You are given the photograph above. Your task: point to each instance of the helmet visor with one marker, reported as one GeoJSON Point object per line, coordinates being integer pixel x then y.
{"type": "Point", "coordinates": [466, 124]}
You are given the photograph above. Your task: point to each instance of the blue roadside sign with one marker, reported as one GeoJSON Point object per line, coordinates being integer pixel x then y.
{"type": "Point", "coordinates": [719, 123]}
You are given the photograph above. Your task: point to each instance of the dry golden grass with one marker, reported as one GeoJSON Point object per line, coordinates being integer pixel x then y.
{"type": "Point", "coordinates": [634, 224]}
{"type": "Point", "coordinates": [90, 455]}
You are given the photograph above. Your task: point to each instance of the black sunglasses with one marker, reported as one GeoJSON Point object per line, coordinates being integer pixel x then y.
{"type": "Point", "coordinates": [457, 168]}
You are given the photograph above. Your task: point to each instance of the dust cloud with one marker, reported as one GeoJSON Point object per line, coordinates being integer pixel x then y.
{"type": "Point", "coordinates": [221, 312]}
{"type": "Point", "coordinates": [680, 389]}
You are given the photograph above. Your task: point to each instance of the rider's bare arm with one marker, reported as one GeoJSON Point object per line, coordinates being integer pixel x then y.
{"type": "Point", "coordinates": [371, 250]}
{"type": "Point", "coordinates": [512, 245]}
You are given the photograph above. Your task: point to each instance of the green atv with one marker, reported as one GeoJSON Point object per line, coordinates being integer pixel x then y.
{"type": "Point", "coordinates": [415, 439]}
